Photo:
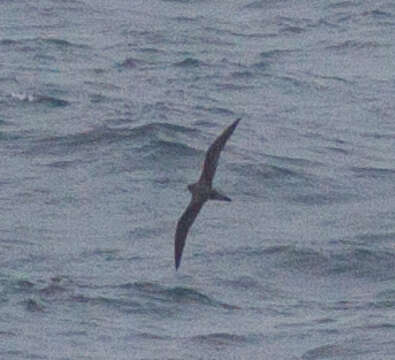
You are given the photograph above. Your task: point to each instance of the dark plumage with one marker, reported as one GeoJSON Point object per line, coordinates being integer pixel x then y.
{"type": "Point", "coordinates": [201, 191]}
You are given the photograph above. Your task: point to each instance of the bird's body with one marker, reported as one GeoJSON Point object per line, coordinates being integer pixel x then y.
{"type": "Point", "coordinates": [201, 191]}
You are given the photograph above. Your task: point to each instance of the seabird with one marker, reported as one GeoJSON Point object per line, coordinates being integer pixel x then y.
{"type": "Point", "coordinates": [201, 191]}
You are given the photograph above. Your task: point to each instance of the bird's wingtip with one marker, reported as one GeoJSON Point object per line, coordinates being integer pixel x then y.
{"type": "Point", "coordinates": [235, 123]}
{"type": "Point", "coordinates": [177, 264]}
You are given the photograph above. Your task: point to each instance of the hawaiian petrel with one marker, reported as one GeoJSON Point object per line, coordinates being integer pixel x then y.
{"type": "Point", "coordinates": [201, 191]}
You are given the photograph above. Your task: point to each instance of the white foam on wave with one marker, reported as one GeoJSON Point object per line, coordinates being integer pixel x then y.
{"type": "Point", "coordinates": [23, 97]}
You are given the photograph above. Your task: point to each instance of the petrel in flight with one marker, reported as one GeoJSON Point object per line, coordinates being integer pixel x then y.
{"type": "Point", "coordinates": [201, 191]}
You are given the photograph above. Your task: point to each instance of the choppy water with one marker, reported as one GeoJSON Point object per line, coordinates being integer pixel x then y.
{"type": "Point", "coordinates": [106, 110]}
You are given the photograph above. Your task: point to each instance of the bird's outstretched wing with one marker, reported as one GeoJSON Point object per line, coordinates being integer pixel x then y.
{"type": "Point", "coordinates": [183, 225]}
{"type": "Point", "coordinates": [213, 153]}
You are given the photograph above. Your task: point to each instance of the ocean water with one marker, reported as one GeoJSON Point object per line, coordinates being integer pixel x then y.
{"type": "Point", "coordinates": [106, 111]}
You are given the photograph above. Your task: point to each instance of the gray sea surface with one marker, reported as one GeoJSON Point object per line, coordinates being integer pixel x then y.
{"type": "Point", "coordinates": [106, 111]}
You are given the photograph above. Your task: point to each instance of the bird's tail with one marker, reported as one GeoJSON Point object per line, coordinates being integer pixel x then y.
{"type": "Point", "coordinates": [216, 195]}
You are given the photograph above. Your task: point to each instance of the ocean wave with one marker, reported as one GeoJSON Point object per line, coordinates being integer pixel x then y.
{"type": "Point", "coordinates": [243, 74]}
{"type": "Point", "coordinates": [296, 183]}
{"type": "Point", "coordinates": [376, 265]}
{"type": "Point", "coordinates": [305, 260]}
{"type": "Point", "coordinates": [319, 198]}
{"type": "Point", "coordinates": [376, 238]}
{"type": "Point", "coordinates": [174, 295]}
{"type": "Point", "coordinates": [70, 143]}
{"type": "Point", "coordinates": [31, 44]}
{"type": "Point", "coordinates": [385, 300]}
{"type": "Point", "coordinates": [213, 110]}
{"type": "Point", "coordinates": [332, 351]}
{"type": "Point", "coordinates": [159, 145]}
{"type": "Point", "coordinates": [50, 101]}
{"type": "Point", "coordinates": [184, 1]}
{"type": "Point", "coordinates": [375, 173]}
{"type": "Point", "coordinates": [222, 339]}
{"type": "Point", "coordinates": [267, 171]}
{"type": "Point", "coordinates": [34, 305]}
{"type": "Point", "coordinates": [260, 4]}
{"type": "Point", "coordinates": [189, 63]}
{"type": "Point", "coordinates": [379, 14]}
{"type": "Point", "coordinates": [353, 45]}
{"type": "Point", "coordinates": [116, 303]}
{"type": "Point", "coordinates": [158, 130]}
{"type": "Point", "coordinates": [360, 262]}
{"type": "Point", "coordinates": [130, 63]}
{"type": "Point", "coordinates": [164, 143]}
{"type": "Point", "coordinates": [277, 54]}
{"type": "Point", "coordinates": [255, 179]}
{"type": "Point", "coordinates": [8, 42]}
